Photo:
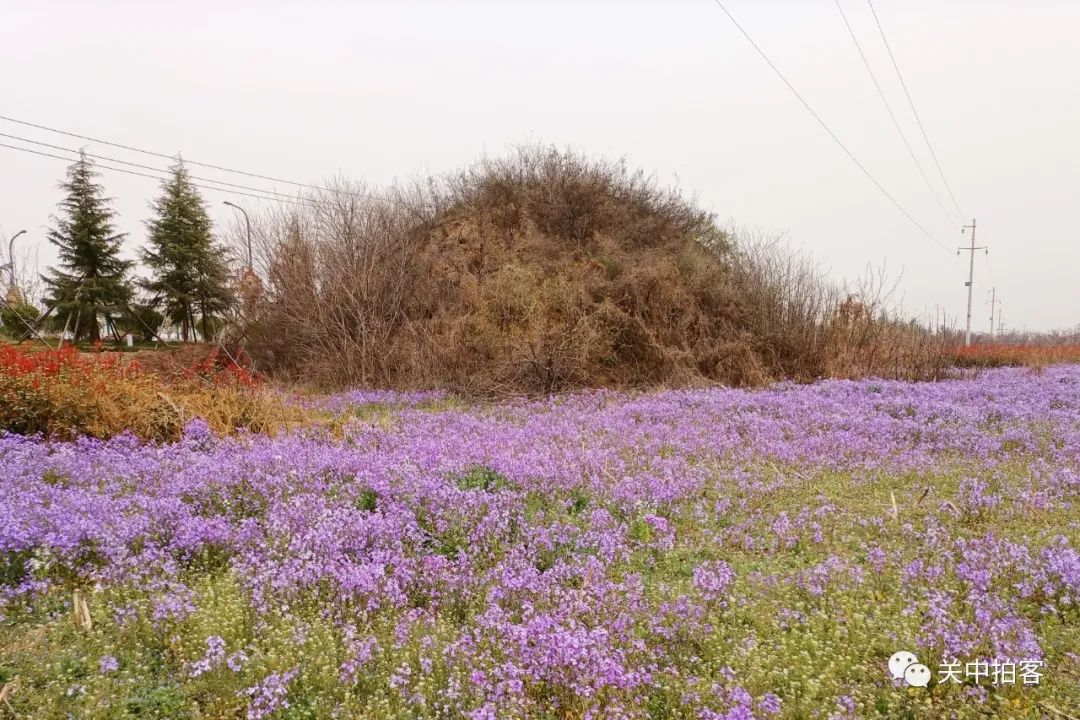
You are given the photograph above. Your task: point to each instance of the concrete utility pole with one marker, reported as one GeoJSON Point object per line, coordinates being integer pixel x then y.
{"type": "Point", "coordinates": [993, 302]}
{"type": "Point", "coordinates": [971, 275]}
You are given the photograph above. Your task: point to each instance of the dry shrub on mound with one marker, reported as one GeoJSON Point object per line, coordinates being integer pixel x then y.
{"type": "Point", "coordinates": [542, 272]}
{"type": "Point", "coordinates": [814, 327]}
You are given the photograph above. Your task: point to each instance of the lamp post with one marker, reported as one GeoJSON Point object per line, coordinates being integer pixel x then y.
{"type": "Point", "coordinates": [11, 258]}
{"type": "Point", "coordinates": [247, 221]}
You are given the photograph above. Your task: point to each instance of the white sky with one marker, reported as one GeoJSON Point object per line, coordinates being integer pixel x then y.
{"type": "Point", "coordinates": [378, 90]}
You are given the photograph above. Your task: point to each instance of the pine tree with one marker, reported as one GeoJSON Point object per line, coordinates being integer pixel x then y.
{"type": "Point", "coordinates": [190, 275]}
{"type": "Point", "coordinates": [91, 281]}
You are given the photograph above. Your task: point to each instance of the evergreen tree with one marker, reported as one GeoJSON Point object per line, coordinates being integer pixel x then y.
{"type": "Point", "coordinates": [190, 275]}
{"type": "Point", "coordinates": [91, 282]}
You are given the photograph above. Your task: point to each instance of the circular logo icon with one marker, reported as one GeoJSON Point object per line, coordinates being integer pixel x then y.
{"type": "Point", "coordinates": [917, 675]}
{"type": "Point", "coordinates": [899, 662]}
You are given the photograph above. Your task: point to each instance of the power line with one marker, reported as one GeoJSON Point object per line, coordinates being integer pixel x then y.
{"type": "Point", "coordinates": [828, 130]}
{"type": "Point", "coordinates": [158, 177]}
{"type": "Point", "coordinates": [914, 112]}
{"type": "Point", "coordinates": [892, 115]}
{"type": "Point", "coordinates": [211, 166]}
{"type": "Point", "coordinates": [154, 169]}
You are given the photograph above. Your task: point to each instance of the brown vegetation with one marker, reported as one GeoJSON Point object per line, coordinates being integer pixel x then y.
{"type": "Point", "coordinates": [546, 272]}
{"type": "Point", "coordinates": [67, 394]}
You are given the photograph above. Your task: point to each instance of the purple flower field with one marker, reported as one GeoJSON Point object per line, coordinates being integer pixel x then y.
{"type": "Point", "coordinates": [696, 554]}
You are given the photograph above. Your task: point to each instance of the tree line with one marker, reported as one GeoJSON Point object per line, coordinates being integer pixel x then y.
{"type": "Point", "coordinates": [93, 286]}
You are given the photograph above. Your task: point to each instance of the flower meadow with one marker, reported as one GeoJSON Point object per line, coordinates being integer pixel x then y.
{"type": "Point", "coordinates": [707, 554]}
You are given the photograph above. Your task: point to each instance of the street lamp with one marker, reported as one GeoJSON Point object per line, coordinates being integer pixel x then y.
{"type": "Point", "coordinates": [247, 220]}
{"type": "Point", "coordinates": [11, 257]}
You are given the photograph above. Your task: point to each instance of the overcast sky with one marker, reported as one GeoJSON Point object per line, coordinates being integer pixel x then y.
{"type": "Point", "coordinates": [385, 90]}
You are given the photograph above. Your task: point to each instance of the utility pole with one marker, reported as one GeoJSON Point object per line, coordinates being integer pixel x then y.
{"type": "Point", "coordinates": [993, 302]}
{"type": "Point", "coordinates": [971, 275]}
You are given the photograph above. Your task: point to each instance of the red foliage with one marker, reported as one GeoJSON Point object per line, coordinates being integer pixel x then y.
{"type": "Point", "coordinates": [1015, 354]}
{"type": "Point", "coordinates": [50, 363]}
{"type": "Point", "coordinates": [68, 363]}
{"type": "Point", "coordinates": [219, 367]}
{"type": "Point", "coordinates": [66, 393]}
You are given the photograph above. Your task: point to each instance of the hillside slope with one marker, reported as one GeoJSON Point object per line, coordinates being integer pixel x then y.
{"type": "Point", "coordinates": [538, 273]}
